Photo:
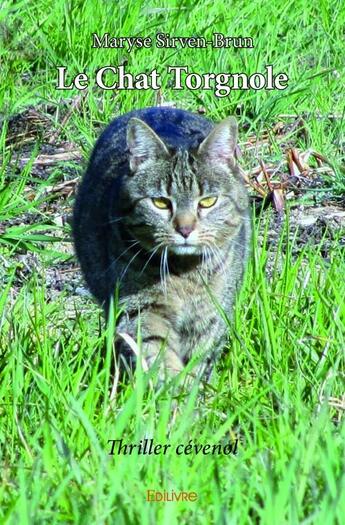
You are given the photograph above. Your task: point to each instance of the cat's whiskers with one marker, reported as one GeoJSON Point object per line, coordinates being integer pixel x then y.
{"type": "Point", "coordinates": [161, 271]}
{"type": "Point", "coordinates": [154, 251]}
{"type": "Point", "coordinates": [203, 252]}
{"type": "Point", "coordinates": [237, 244]}
{"type": "Point", "coordinates": [205, 240]}
{"type": "Point", "coordinates": [220, 258]}
{"type": "Point", "coordinates": [123, 273]}
{"type": "Point", "coordinates": [217, 256]}
{"type": "Point", "coordinates": [204, 260]}
{"type": "Point", "coordinates": [164, 269]}
{"type": "Point", "coordinates": [134, 243]}
{"type": "Point", "coordinates": [166, 262]}
{"type": "Point", "coordinates": [204, 256]}
{"type": "Point", "coordinates": [210, 238]}
{"type": "Point", "coordinates": [209, 258]}
{"type": "Point", "coordinates": [113, 263]}
{"type": "Point", "coordinates": [113, 221]}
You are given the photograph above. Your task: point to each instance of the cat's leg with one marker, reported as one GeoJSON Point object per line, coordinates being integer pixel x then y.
{"type": "Point", "coordinates": [208, 348]}
{"type": "Point", "coordinates": [155, 339]}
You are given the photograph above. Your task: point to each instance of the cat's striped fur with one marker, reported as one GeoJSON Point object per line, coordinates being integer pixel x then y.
{"type": "Point", "coordinates": [172, 264]}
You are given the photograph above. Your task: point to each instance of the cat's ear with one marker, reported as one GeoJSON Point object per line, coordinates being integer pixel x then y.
{"type": "Point", "coordinates": [143, 144]}
{"type": "Point", "coordinates": [220, 145]}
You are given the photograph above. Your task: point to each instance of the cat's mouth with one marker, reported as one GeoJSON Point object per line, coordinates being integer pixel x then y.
{"type": "Point", "coordinates": [185, 249]}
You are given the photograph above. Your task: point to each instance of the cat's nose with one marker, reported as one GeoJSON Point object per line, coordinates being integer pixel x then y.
{"type": "Point", "coordinates": [184, 223]}
{"type": "Point", "coordinates": [185, 231]}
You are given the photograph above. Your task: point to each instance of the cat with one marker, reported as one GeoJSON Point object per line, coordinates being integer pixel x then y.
{"type": "Point", "coordinates": [162, 215]}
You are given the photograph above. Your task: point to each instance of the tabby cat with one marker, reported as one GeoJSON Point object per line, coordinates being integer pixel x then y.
{"type": "Point", "coordinates": [162, 215]}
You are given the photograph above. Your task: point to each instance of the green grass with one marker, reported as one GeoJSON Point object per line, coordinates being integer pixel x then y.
{"type": "Point", "coordinates": [271, 390]}
{"type": "Point", "coordinates": [283, 369]}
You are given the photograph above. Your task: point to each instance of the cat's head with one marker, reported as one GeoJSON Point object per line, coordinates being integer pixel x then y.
{"type": "Point", "coordinates": [185, 201]}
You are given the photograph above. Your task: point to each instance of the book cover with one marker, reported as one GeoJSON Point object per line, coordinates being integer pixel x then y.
{"type": "Point", "coordinates": [258, 435]}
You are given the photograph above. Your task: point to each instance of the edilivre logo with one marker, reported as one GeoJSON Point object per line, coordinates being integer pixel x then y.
{"type": "Point", "coordinates": [156, 496]}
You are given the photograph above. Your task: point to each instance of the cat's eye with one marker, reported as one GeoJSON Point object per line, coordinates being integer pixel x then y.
{"type": "Point", "coordinates": [207, 202]}
{"type": "Point", "coordinates": [162, 203]}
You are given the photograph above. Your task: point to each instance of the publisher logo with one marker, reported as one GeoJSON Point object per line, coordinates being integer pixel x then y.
{"type": "Point", "coordinates": [156, 496]}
